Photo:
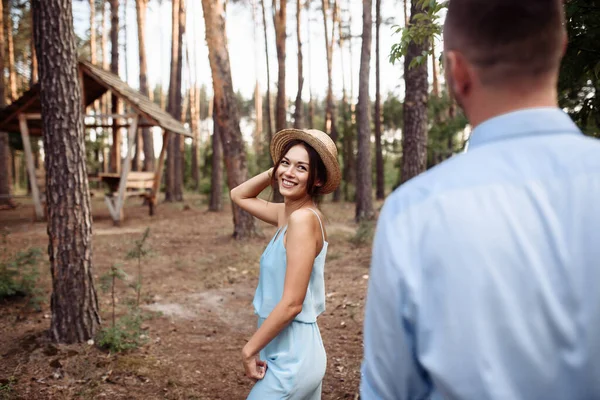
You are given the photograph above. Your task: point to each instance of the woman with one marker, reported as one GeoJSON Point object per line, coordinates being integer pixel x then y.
{"type": "Point", "coordinates": [286, 354]}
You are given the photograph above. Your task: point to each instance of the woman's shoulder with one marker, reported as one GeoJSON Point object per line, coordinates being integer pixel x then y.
{"type": "Point", "coordinates": [307, 217]}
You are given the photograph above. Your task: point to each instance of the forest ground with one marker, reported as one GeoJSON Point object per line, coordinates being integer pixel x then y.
{"type": "Point", "coordinates": [199, 283]}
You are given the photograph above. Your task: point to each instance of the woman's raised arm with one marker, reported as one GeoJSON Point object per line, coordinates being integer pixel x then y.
{"type": "Point", "coordinates": [245, 196]}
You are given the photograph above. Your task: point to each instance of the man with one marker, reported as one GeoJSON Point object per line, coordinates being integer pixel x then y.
{"type": "Point", "coordinates": [485, 269]}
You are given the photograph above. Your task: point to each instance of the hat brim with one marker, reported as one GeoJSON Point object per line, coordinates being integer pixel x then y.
{"type": "Point", "coordinates": [322, 144]}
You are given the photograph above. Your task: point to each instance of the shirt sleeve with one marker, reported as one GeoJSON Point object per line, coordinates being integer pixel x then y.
{"type": "Point", "coordinates": [390, 369]}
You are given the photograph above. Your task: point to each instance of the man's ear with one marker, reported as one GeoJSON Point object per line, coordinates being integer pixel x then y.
{"type": "Point", "coordinates": [458, 72]}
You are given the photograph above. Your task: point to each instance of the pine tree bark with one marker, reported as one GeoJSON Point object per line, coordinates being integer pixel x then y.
{"type": "Point", "coordinates": [379, 178]}
{"type": "Point", "coordinates": [330, 125]}
{"type": "Point", "coordinates": [216, 178]}
{"type": "Point", "coordinates": [178, 140]}
{"type": "Point", "coordinates": [74, 303]}
{"type": "Point", "coordinates": [298, 122]}
{"type": "Point", "coordinates": [12, 72]}
{"type": "Point", "coordinates": [115, 154]}
{"type": "Point", "coordinates": [269, 108]}
{"type": "Point", "coordinates": [174, 103]}
{"type": "Point", "coordinates": [148, 144]}
{"type": "Point", "coordinates": [364, 196]}
{"type": "Point", "coordinates": [311, 105]}
{"type": "Point", "coordinates": [194, 120]}
{"type": "Point", "coordinates": [93, 32]}
{"type": "Point", "coordinates": [225, 111]}
{"type": "Point", "coordinates": [279, 17]}
{"type": "Point", "coordinates": [33, 75]}
{"type": "Point", "coordinates": [5, 158]}
{"type": "Point", "coordinates": [434, 71]}
{"type": "Point", "coordinates": [105, 99]}
{"type": "Point", "coordinates": [349, 172]}
{"type": "Point", "coordinates": [414, 132]}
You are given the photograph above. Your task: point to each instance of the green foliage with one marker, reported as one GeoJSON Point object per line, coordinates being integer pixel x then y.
{"type": "Point", "coordinates": [137, 252]}
{"type": "Point", "coordinates": [393, 112]}
{"type": "Point", "coordinates": [6, 388]}
{"type": "Point", "coordinates": [423, 27]}
{"type": "Point", "coordinates": [579, 81]}
{"type": "Point", "coordinates": [441, 140]}
{"type": "Point", "coordinates": [19, 274]}
{"type": "Point", "coordinates": [126, 334]}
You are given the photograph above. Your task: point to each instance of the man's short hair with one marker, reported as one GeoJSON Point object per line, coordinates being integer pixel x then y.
{"type": "Point", "coordinates": [507, 39]}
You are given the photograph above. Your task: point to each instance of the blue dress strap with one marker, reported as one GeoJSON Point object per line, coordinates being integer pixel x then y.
{"type": "Point", "coordinates": [320, 223]}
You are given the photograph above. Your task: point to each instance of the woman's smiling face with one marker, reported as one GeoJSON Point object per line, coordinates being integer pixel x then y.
{"type": "Point", "coordinates": [293, 172]}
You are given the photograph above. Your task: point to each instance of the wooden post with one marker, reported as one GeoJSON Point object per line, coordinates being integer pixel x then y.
{"type": "Point", "coordinates": [158, 172]}
{"type": "Point", "coordinates": [117, 209]}
{"type": "Point", "coordinates": [30, 167]}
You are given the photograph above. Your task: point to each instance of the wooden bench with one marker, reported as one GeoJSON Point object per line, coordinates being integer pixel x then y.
{"type": "Point", "coordinates": [138, 184]}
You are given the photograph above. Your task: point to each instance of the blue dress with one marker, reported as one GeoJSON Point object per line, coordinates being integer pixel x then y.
{"type": "Point", "coordinates": [296, 358]}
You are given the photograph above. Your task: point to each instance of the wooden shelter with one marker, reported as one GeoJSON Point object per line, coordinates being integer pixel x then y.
{"type": "Point", "coordinates": [23, 117]}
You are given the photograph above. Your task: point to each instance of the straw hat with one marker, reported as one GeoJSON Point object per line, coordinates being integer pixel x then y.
{"type": "Point", "coordinates": [318, 140]}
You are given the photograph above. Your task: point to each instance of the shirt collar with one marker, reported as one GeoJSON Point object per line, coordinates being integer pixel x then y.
{"type": "Point", "coordinates": [522, 123]}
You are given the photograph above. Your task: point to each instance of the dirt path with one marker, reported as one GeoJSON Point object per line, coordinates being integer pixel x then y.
{"type": "Point", "coordinates": [202, 283]}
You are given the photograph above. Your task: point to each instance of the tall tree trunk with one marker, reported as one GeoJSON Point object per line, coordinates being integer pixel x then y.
{"type": "Point", "coordinates": [194, 120]}
{"type": "Point", "coordinates": [352, 104]}
{"type": "Point", "coordinates": [148, 144]}
{"type": "Point", "coordinates": [93, 32]}
{"type": "Point", "coordinates": [405, 2]}
{"type": "Point", "coordinates": [225, 110]}
{"type": "Point", "coordinates": [349, 174]}
{"type": "Point", "coordinates": [179, 139]}
{"type": "Point", "coordinates": [311, 105]}
{"type": "Point", "coordinates": [279, 17]}
{"type": "Point", "coordinates": [414, 132]}
{"type": "Point", "coordinates": [125, 40]}
{"type": "Point", "coordinates": [115, 154]}
{"type": "Point", "coordinates": [280, 22]}
{"type": "Point", "coordinates": [434, 70]}
{"type": "Point", "coordinates": [330, 125]}
{"type": "Point", "coordinates": [298, 123]}
{"type": "Point", "coordinates": [364, 195]}
{"type": "Point", "coordinates": [380, 189]}
{"type": "Point", "coordinates": [74, 303]}
{"type": "Point", "coordinates": [12, 72]}
{"type": "Point", "coordinates": [257, 141]}
{"type": "Point", "coordinates": [216, 178]}
{"type": "Point", "coordinates": [174, 104]}
{"type": "Point", "coordinates": [5, 158]}
{"type": "Point", "coordinates": [104, 39]}
{"type": "Point", "coordinates": [33, 76]}
{"type": "Point", "coordinates": [269, 108]}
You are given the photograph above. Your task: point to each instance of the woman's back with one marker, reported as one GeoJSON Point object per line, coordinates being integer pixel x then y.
{"type": "Point", "coordinates": [271, 280]}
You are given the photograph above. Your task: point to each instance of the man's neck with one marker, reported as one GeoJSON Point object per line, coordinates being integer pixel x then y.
{"type": "Point", "coordinates": [492, 103]}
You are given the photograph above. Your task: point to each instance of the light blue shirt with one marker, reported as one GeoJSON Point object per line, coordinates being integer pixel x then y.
{"type": "Point", "coordinates": [485, 277]}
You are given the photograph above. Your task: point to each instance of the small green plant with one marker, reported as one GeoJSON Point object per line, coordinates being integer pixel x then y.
{"type": "Point", "coordinates": [139, 251]}
{"type": "Point", "coordinates": [6, 388]}
{"type": "Point", "coordinates": [126, 332]}
{"type": "Point", "coordinates": [364, 234]}
{"type": "Point", "coordinates": [19, 273]}
{"type": "Point", "coordinates": [123, 335]}
{"type": "Point", "coordinates": [108, 281]}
